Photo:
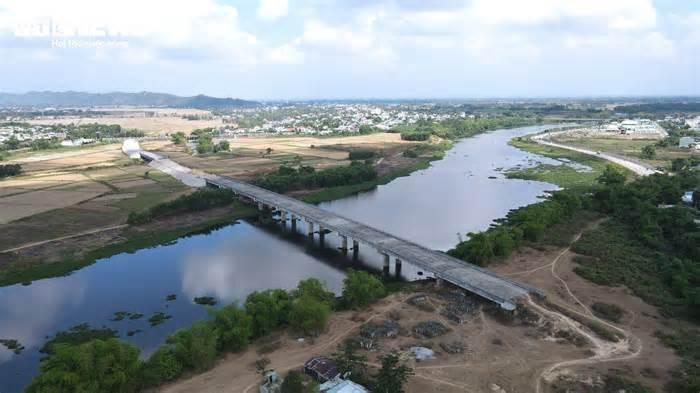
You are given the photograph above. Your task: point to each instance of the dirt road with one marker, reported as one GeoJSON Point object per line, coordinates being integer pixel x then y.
{"type": "Point", "coordinates": [639, 169]}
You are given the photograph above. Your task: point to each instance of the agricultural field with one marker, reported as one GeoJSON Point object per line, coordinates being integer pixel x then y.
{"type": "Point", "coordinates": [163, 121]}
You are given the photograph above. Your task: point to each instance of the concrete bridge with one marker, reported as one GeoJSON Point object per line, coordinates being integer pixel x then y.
{"type": "Point", "coordinates": [489, 285]}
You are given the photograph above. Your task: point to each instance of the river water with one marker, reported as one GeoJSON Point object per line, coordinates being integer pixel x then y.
{"type": "Point", "coordinates": [432, 207]}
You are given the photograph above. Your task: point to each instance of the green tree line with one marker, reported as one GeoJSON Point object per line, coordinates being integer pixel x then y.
{"type": "Point", "coordinates": [202, 199]}
{"type": "Point", "coordinates": [111, 365]}
{"type": "Point", "coordinates": [306, 177]}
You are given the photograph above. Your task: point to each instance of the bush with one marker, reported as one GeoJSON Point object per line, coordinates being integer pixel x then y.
{"type": "Point", "coordinates": [296, 382]}
{"type": "Point", "coordinates": [195, 348]}
{"type": "Point", "coordinates": [309, 316]}
{"type": "Point", "coordinates": [178, 138]}
{"type": "Point", "coordinates": [202, 199]}
{"type": "Point", "coordinates": [233, 326]}
{"type": "Point", "coordinates": [162, 366]}
{"type": "Point", "coordinates": [96, 366]}
{"type": "Point", "coordinates": [608, 311]}
{"type": "Point", "coordinates": [10, 170]}
{"type": "Point", "coordinates": [361, 288]}
{"type": "Point", "coordinates": [415, 136]}
{"type": "Point", "coordinates": [361, 154]}
{"type": "Point", "coordinates": [313, 288]}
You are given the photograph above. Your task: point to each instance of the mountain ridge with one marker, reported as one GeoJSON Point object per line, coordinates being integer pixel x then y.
{"type": "Point", "coordinates": [71, 98]}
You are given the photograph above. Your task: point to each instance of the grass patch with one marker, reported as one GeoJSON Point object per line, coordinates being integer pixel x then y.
{"type": "Point", "coordinates": [171, 297]}
{"type": "Point", "coordinates": [608, 311]}
{"type": "Point", "coordinates": [22, 273]}
{"type": "Point", "coordinates": [686, 344]}
{"type": "Point", "coordinates": [562, 175]}
{"type": "Point", "coordinates": [596, 327]}
{"type": "Point", "coordinates": [615, 256]}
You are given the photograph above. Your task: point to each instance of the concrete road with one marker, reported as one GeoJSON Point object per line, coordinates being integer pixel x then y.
{"type": "Point", "coordinates": [639, 169]}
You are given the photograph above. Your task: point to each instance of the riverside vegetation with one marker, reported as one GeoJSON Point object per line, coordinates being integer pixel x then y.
{"type": "Point", "coordinates": [649, 242]}
{"type": "Point", "coordinates": [87, 360]}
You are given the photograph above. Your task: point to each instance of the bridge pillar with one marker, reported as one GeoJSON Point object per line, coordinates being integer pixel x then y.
{"type": "Point", "coordinates": [438, 282]}
{"type": "Point", "coordinates": [261, 207]}
{"type": "Point", "coordinates": [355, 249]}
{"type": "Point", "coordinates": [397, 267]}
{"type": "Point", "coordinates": [294, 223]}
{"type": "Point", "coordinates": [386, 264]}
{"type": "Point", "coordinates": [283, 219]}
{"type": "Point", "coordinates": [344, 244]}
{"type": "Point", "coordinates": [310, 228]}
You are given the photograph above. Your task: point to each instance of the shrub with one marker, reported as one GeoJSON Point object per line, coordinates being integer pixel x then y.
{"type": "Point", "coordinates": [296, 382]}
{"type": "Point", "coordinates": [361, 154]}
{"type": "Point", "coordinates": [309, 315]}
{"type": "Point", "coordinates": [268, 309]}
{"type": "Point", "coordinates": [313, 288]}
{"type": "Point", "coordinates": [162, 366]}
{"type": "Point", "coordinates": [195, 348]}
{"type": "Point", "coordinates": [361, 288]}
{"type": "Point", "coordinates": [202, 199]}
{"type": "Point", "coordinates": [234, 327]}
{"type": "Point", "coordinates": [10, 170]}
{"type": "Point", "coordinates": [608, 311]}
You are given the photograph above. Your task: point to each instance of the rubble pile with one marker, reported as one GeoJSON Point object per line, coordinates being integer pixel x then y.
{"type": "Point", "coordinates": [371, 332]}
{"type": "Point", "coordinates": [459, 306]}
{"type": "Point", "coordinates": [430, 329]}
{"type": "Point", "coordinates": [453, 348]}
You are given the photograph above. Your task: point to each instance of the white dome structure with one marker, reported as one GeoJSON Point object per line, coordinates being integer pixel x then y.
{"type": "Point", "coordinates": [131, 148]}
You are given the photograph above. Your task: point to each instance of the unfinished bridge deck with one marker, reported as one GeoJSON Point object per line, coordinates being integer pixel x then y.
{"type": "Point", "coordinates": [482, 282]}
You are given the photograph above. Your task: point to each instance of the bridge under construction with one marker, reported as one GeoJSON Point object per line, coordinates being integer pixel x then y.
{"type": "Point", "coordinates": [489, 285]}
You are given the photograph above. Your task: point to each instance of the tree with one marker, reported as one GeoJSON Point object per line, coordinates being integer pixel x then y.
{"type": "Point", "coordinates": [350, 362]}
{"type": "Point", "coordinates": [313, 288]}
{"type": "Point", "coordinates": [361, 288]}
{"type": "Point", "coordinates": [392, 375]}
{"type": "Point", "coordinates": [178, 138]}
{"type": "Point", "coordinates": [162, 366]}
{"type": "Point", "coordinates": [96, 366]}
{"type": "Point", "coordinates": [612, 176]}
{"type": "Point", "coordinates": [12, 143]}
{"type": "Point", "coordinates": [309, 315]}
{"type": "Point", "coordinates": [233, 326]}
{"type": "Point", "coordinates": [295, 382]}
{"type": "Point", "coordinates": [269, 309]}
{"type": "Point", "coordinates": [204, 144]}
{"type": "Point", "coordinates": [648, 152]}
{"type": "Point", "coordinates": [224, 146]}
{"type": "Point", "coordinates": [195, 347]}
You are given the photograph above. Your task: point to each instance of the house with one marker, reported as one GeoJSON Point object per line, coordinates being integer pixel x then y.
{"type": "Point", "coordinates": [321, 369]}
{"type": "Point", "coordinates": [686, 142]}
{"type": "Point", "coordinates": [338, 385]}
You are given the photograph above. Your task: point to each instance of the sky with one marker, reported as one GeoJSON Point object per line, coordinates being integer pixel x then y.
{"type": "Point", "coordinates": [315, 49]}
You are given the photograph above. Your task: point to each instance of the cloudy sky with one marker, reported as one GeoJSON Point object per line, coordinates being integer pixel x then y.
{"type": "Point", "coordinates": [277, 49]}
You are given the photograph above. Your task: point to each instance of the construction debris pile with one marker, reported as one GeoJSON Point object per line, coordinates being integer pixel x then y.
{"type": "Point", "coordinates": [430, 329]}
{"type": "Point", "coordinates": [459, 306]}
{"type": "Point", "coordinates": [371, 332]}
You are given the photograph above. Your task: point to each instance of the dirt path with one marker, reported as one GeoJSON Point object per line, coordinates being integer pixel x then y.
{"type": "Point", "coordinates": [639, 169]}
{"type": "Point", "coordinates": [90, 232]}
{"type": "Point", "coordinates": [604, 351]}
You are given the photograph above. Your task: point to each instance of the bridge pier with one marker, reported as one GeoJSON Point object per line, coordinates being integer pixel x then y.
{"type": "Point", "coordinates": [438, 282]}
{"type": "Point", "coordinates": [294, 223]}
{"type": "Point", "coordinates": [261, 207]}
{"type": "Point", "coordinates": [310, 228]}
{"type": "Point", "coordinates": [386, 264]}
{"type": "Point", "coordinates": [355, 249]}
{"type": "Point", "coordinates": [283, 219]}
{"type": "Point", "coordinates": [344, 244]}
{"type": "Point", "coordinates": [397, 267]}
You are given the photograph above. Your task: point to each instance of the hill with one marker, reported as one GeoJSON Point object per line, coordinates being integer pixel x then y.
{"type": "Point", "coordinates": [145, 98]}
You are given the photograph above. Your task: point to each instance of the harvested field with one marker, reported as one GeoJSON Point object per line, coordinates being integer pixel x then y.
{"type": "Point", "coordinates": [17, 206]}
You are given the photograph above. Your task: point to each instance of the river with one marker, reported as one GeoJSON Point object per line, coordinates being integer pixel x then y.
{"type": "Point", "coordinates": [463, 192]}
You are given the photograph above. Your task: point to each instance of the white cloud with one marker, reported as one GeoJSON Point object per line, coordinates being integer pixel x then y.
{"type": "Point", "coordinates": [285, 54]}
{"type": "Point", "coordinates": [272, 9]}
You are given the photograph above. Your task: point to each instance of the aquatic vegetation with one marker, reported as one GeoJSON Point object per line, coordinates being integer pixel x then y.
{"type": "Point", "coordinates": [157, 318]}
{"type": "Point", "coordinates": [12, 344]}
{"type": "Point", "coordinates": [77, 335]}
{"type": "Point", "coordinates": [206, 300]}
